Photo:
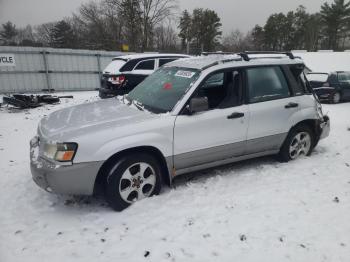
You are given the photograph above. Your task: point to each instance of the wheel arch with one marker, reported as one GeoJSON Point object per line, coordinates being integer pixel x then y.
{"type": "Point", "coordinates": [102, 173]}
{"type": "Point", "coordinates": [314, 125]}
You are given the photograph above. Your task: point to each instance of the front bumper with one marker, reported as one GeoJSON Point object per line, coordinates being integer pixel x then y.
{"type": "Point", "coordinates": [325, 127]}
{"type": "Point", "coordinates": [75, 179]}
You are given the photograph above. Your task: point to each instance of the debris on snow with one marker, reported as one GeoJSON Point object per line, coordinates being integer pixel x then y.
{"type": "Point", "coordinates": [242, 237]}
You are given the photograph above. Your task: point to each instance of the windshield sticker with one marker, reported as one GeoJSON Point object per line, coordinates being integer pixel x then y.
{"type": "Point", "coordinates": [185, 74]}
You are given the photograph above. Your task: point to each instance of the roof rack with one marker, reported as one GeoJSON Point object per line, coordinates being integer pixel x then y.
{"type": "Point", "coordinates": [222, 62]}
{"type": "Point", "coordinates": [218, 53]}
{"type": "Point", "coordinates": [245, 55]}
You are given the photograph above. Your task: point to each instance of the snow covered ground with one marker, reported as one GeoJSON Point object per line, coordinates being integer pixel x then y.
{"type": "Point", "coordinates": [258, 210]}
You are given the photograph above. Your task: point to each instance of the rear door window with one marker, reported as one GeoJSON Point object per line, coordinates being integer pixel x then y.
{"type": "Point", "coordinates": [266, 83]}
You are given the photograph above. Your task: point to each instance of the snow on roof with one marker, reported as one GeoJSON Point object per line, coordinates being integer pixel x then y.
{"type": "Point", "coordinates": [145, 55]}
{"type": "Point", "coordinates": [202, 62]}
{"type": "Point", "coordinates": [326, 61]}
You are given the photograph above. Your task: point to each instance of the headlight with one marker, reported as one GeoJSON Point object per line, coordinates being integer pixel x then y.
{"type": "Point", "coordinates": [62, 152]}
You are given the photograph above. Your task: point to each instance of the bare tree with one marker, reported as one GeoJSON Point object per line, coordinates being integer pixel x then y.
{"type": "Point", "coordinates": [43, 33]}
{"type": "Point", "coordinates": [165, 37]}
{"type": "Point", "coordinates": [153, 13]}
{"type": "Point", "coordinates": [234, 41]}
{"type": "Point", "coordinates": [92, 28]}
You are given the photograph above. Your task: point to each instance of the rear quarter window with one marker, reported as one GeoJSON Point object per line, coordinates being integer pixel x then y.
{"type": "Point", "coordinates": [163, 61]}
{"type": "Point", "coordinates": [114, 66]}
{"type": "Point", "coordinates": [145, 65]}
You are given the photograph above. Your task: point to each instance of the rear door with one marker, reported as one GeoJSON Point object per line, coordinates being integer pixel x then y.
{"type": "Point", "coordinates": [271, 107]}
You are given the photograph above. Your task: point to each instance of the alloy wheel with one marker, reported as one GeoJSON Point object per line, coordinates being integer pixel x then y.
{"type": "Point", "coordinates": [137, 182]}
{"type": "Point", "coordinates": [300, 145]}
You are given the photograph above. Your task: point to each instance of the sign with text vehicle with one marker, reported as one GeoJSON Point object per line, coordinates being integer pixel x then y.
{"type": "Point", "coordinates": [7, 60]}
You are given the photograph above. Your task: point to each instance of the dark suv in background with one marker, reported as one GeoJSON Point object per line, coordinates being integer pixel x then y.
{"type": "Point", "coordinates": [126, 72]}
{"type": "Point", "coordinates": [331, 87]}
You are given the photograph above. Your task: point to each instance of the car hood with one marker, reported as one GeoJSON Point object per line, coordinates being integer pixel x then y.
{"type": "Point", "coordinates": [82, 119]}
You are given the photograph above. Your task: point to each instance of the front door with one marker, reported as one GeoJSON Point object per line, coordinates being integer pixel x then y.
{"type": "Point", "coordinates": [218, 133]}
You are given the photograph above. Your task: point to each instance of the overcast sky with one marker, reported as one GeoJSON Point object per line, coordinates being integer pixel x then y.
{"type": "Point", "coordinates": [241, 14]}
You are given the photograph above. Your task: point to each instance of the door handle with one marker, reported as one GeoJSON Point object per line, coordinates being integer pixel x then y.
{"type": "Point", "coordinates": [291, 105]}
{"type": "Point", "coordinates": [235, 115]}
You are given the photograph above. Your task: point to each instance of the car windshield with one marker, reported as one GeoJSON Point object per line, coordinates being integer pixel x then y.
{"type": "Point", "coordinates": [317, 77]}
{"type": "Point", "coordinates": [160, 92]}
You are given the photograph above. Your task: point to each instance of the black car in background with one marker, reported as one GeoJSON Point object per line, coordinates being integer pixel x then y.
{"type": "Point", "coordinates": [331, 87]}
{"type": "Point", "coordinates": [126, 72]}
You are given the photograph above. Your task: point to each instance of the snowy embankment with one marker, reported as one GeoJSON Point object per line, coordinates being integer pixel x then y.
{"type": "Point", "coordinates": [258, 210]}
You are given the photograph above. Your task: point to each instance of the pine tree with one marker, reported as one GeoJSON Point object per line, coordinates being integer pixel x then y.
{"type": "Point", "coordinates": [8, 33]}
{"type": "Point", "coordinates": [185, 27]}
{"type": "Point", "coordinates": [202, 29]}
{"type": "Point", "coordinates": [62, 35]}
{"type": "Point", "coordinates": [334, 18]}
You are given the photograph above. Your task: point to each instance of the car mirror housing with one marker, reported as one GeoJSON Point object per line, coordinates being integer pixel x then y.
{"type": "Point", "coordinates": [198, 104]}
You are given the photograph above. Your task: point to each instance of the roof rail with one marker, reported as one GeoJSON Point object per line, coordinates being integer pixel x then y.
{"type": "Point", "coordinates": [245, 55]}
{"type": "Point", "coordinates": [227, 60]}
{"type": "Point", "coordinates": [218, 53]}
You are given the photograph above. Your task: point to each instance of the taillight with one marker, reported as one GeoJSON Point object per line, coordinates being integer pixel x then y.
{"type": "Point", "coordinates": [117, 80]}
{"type": "Point", "coordinates": [326, 84]}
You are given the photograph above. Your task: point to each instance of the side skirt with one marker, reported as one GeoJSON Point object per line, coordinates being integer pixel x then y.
{"type": "Point", "coordinates": [224, 162]}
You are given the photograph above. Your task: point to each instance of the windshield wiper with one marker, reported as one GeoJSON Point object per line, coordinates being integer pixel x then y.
{"type": "Point", "coordinates": [138, 105]}
{"type": "Point", "coordinates": [128, 102]}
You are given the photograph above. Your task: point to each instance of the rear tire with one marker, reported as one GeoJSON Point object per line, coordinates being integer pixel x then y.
{"type": "Point", "coordinates": [102, 95]}
{"type": "Point", "coordinates": [132, 178]}
{"type": "Point", "coordinates": [300, 141]}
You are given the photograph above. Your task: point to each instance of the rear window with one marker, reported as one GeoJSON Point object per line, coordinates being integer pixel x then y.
{"type": "Point", "coordinates": [317, 77]}
{"type": "Point", "coordinates": [114, 66]}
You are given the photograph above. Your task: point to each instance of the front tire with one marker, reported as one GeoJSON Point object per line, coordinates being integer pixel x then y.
{"type": "Point", "coordinates": [131, 179]}
{"type": "Point", "coordinates": [300, 141]}
{"type": "Point", "coordinates": [336, 98]}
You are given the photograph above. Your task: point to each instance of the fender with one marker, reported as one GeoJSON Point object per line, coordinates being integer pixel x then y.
{"type": "Point", "coordinates": [157, 140]}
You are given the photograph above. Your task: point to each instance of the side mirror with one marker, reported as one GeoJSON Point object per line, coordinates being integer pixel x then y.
{"type": "Point", "coordinates": [198, 104]}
